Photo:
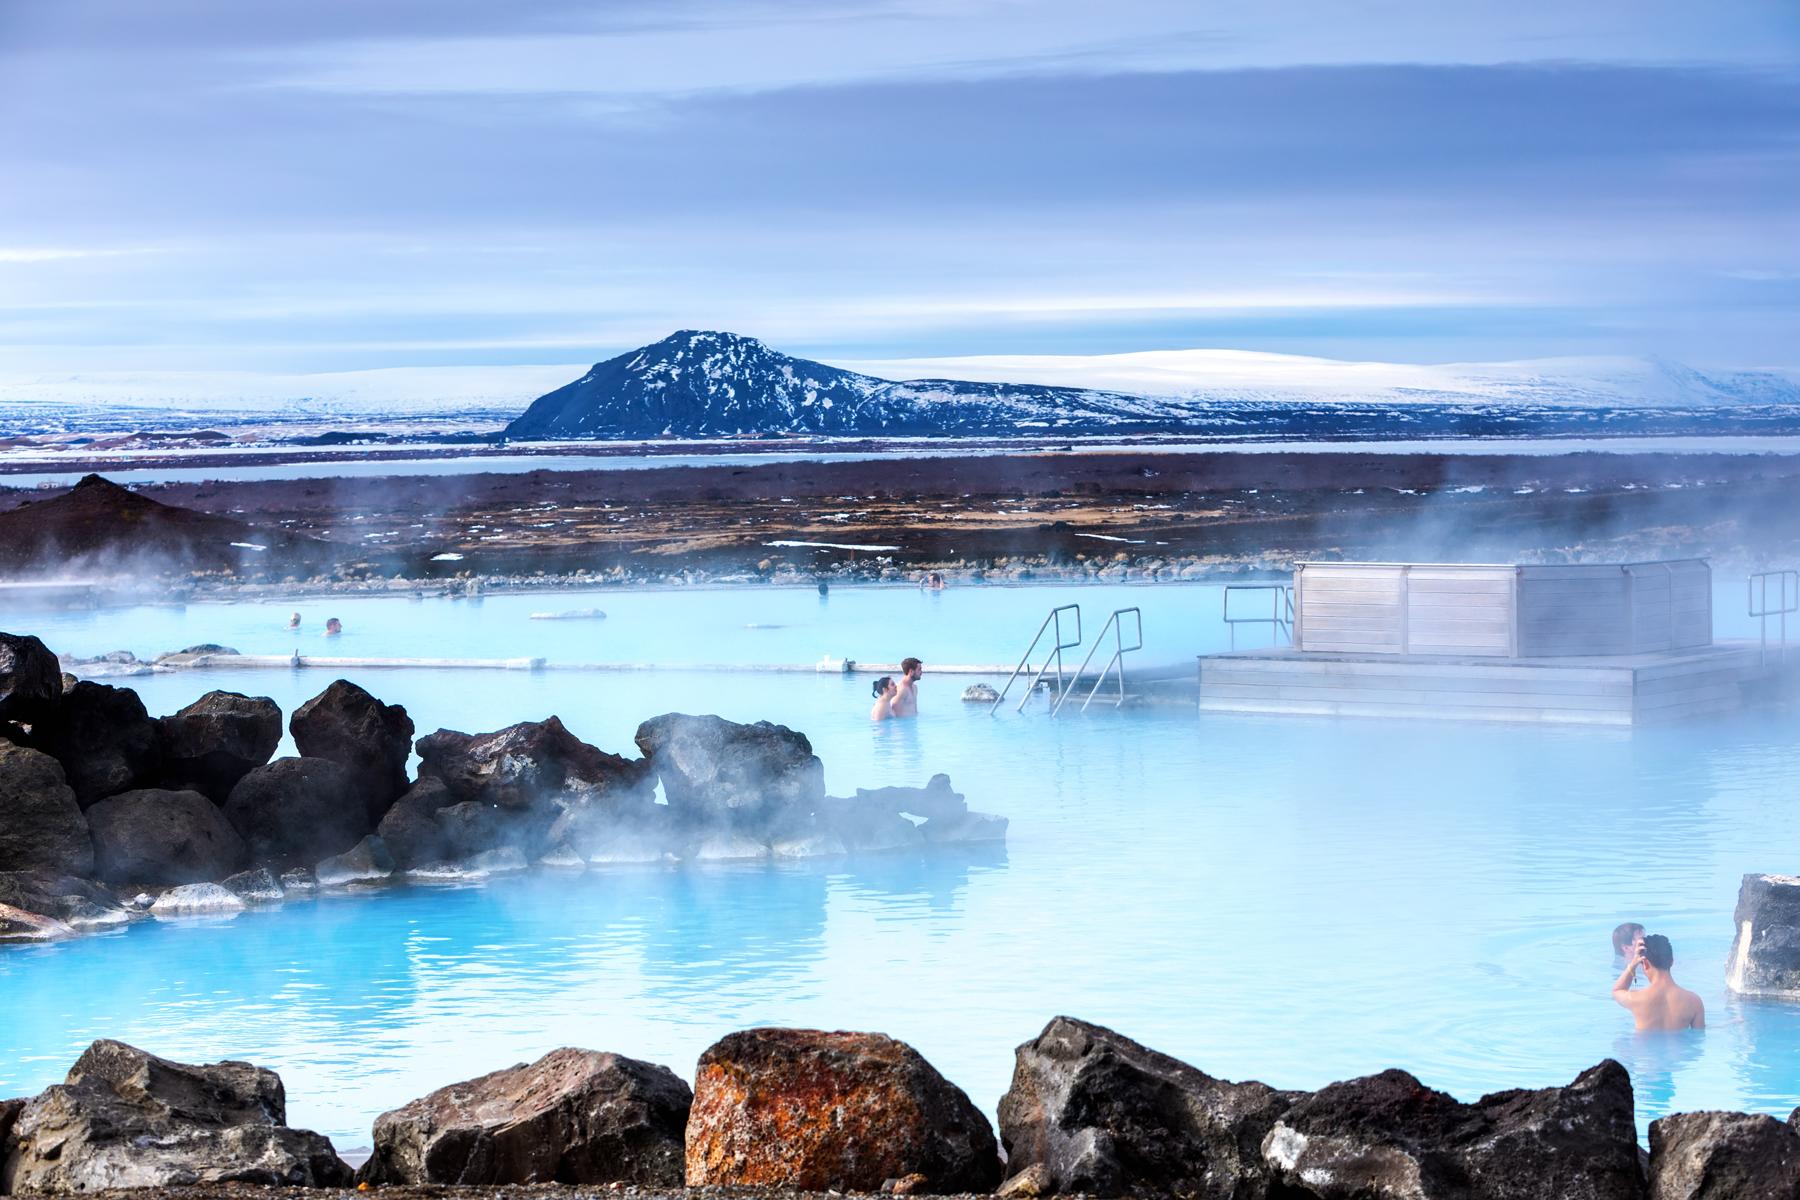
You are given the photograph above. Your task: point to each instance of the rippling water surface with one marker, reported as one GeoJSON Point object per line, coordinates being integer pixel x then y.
{"type": "Point", "coordinates": [1294, 900]}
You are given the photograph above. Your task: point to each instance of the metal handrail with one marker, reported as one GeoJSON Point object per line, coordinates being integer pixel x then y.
{"type": "Point", "coordinates": [1117, 625]}
{"type": "Point", "coordinates": [1281, 611]}
{"type": "Point", "coordinates": [1055, 656]}
{"type": "Point", "coordinates": [1787, 600]}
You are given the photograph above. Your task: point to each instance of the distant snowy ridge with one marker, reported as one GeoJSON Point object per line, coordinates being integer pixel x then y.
{"type": "Point", "coordinates": [697, 383]}
{"type": "Point", "coordinates": [1243, 375]}
{"type": "Point", "coordinates": [700, 383]}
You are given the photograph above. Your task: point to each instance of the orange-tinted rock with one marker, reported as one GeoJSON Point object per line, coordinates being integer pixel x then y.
{"type": "Point", "coordinates": [801, 1108]}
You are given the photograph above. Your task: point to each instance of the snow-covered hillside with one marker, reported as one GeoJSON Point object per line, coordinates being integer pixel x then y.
{"type": "Point", "coordinates": [1243, 375]}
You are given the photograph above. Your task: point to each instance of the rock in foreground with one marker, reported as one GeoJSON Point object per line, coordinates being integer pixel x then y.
{"type": "Point", "coordinates": [573, 1116]}
{"type": "Point", "coordinates": [1099, 1113]}
{"type": "Point", "coordinates": [802, 1108]}
{"type": "Point", "coordinates": [1723, 1156]}
{"type": "Point", "coordinates": [1390, 1135]}
{"type": "Point", "coordinates": [127, 1119]}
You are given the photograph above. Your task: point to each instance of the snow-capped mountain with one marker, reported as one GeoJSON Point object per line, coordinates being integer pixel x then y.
{"type": "Point", "coordinates": [698, 383]}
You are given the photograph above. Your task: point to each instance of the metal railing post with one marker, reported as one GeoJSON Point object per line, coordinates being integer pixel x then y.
{"type": "Point", "coordinates": [1054, 656]}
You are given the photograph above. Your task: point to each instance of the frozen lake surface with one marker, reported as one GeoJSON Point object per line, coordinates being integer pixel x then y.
{"type": "Point", "coordinates": [35, 469]}
{"type": "Point", "coordinates": [1293, 900]}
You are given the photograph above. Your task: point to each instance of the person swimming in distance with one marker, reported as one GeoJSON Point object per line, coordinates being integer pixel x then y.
{"type": "Point", "coordinates": [884, 691]}
{"type": "Point", "coordinates": [906, 691]}
{"type": "Point", "coordinates": [1661, 1004]}
{"type": "Point", "coordinates": [333, 627]}
{"type": "Point", "coordinates": [1627, 940]}
{"type": "Point", "coordinates": [294, 621]}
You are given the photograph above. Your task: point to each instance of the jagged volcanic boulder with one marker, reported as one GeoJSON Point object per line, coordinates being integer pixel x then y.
{"type": "Point", "coordinates": [9, 1113]}
{"type": "Point", "coordinates": [1765, 955]}
{"type": "Point", "coordinates": [30, 678]}
{"type": "Point", "coordinates": [352, 728]}
{"type": "Point", "coordinates": [937, 799]}
{"type": "Point", "coordinates": [801, 1108]}
{"type": "Point", "coordinates": [296, 811]}
{"type": "Point", "coordinates": [1390, 1135]}
{"type": "Point", "coordinates": [217, 740]}
{"type": "Point", "coordinates": [159, 838]}
{"type": "Point", "coordinates": [79, 902]}
{"type": "Point", "coordinates": [1723, 1156]}
{"type": "Point", "coordinates": [410, 826]}
{"type": "Point", "coordinates": [366, 862]}
{"type": "Point", "coordinates": [103, 738]}
{"type": "Point", "coordinates": [588, 822]}
{"type": "Point", "coordinates": [198, 900]}
{"type": "Point", "coordinates": [41, 826]}
{"type": "Point", "coordinates": [523, 765]}
{"type": "Point", "coordinates": [573, 1116]}
{"type": "Point", "coordinates": [127, 1119]}
{"type": "Point", "coordinates": [22, 925]}
{"type": "Point", "coordinates": [1102, 1114]}
{"type": "Point", "coordinates": [715, 771]}
{"type": "Point", "coordinates": [258, 885]}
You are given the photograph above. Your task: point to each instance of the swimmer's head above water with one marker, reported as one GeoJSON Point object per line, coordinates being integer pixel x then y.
{"type": "Point", "coordinates": [882, 686]}
{"type": "Point", "coordinates": [1625, 938]}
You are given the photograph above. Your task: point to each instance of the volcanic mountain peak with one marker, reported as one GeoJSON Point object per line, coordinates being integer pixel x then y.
{"type": "Point", "coordinates": [700, 383]}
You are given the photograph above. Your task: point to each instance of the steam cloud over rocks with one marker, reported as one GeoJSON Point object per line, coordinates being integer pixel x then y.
{"type": "Point", "coordinates": [100, 803]}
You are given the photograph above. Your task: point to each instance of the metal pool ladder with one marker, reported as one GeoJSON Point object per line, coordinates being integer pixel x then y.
{"type": "Point", "coordinates": [1763, 606]}
{"type": "Point", "coordinates": [1115, 624]}
{"type": "Point", "coordinates": [1280, 618]}
{"type": "Point", "coordinates": [1052, 657]}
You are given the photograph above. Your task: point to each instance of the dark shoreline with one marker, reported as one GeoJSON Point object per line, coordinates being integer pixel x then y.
{"type": "Point", "coordinates": [1009, 517]}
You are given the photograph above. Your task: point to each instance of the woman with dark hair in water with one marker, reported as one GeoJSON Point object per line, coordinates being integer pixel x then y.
{"type": "Point", "coordinates": [884, 690]}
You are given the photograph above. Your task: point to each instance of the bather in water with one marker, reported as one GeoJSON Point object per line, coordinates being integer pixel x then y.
{"type": "Point", "coordinates": [886, 691]}
{"type": "Point", "coordinates": [1661, 1004]}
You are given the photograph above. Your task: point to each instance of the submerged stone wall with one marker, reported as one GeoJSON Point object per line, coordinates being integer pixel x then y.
{"type": "Point", "coordinates": [108, 814]}
{"type": "Point", "coordinates": [1089, 1112]}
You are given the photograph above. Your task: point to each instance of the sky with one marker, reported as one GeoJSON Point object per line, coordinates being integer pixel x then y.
{"type": "Point", "coordinates": [344, 184]}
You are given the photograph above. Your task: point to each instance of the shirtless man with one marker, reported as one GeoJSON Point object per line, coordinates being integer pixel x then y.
{"type": "Point", "coordinates": [906, 697]}
{"type": "Point", "coordinates": [1662, 1004]}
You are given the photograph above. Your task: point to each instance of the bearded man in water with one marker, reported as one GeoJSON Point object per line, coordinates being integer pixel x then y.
{"type": "Point", "coordinates": [1661, 1004]}
{"type": "Point", "coordinates": [906, 698]}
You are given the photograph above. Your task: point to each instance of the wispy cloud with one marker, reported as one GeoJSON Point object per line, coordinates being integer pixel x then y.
{"type": "Point", "coordinates": [44, 254]}
{"type": "Point", "coordinates": [299, 187]}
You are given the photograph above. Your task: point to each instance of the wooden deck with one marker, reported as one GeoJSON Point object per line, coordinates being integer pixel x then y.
{"type": "Point", "coordinates": [1619, 690]}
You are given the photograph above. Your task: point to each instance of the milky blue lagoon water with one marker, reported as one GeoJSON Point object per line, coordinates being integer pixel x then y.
{"type": "Point", "coordinates": [1295, 900]}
